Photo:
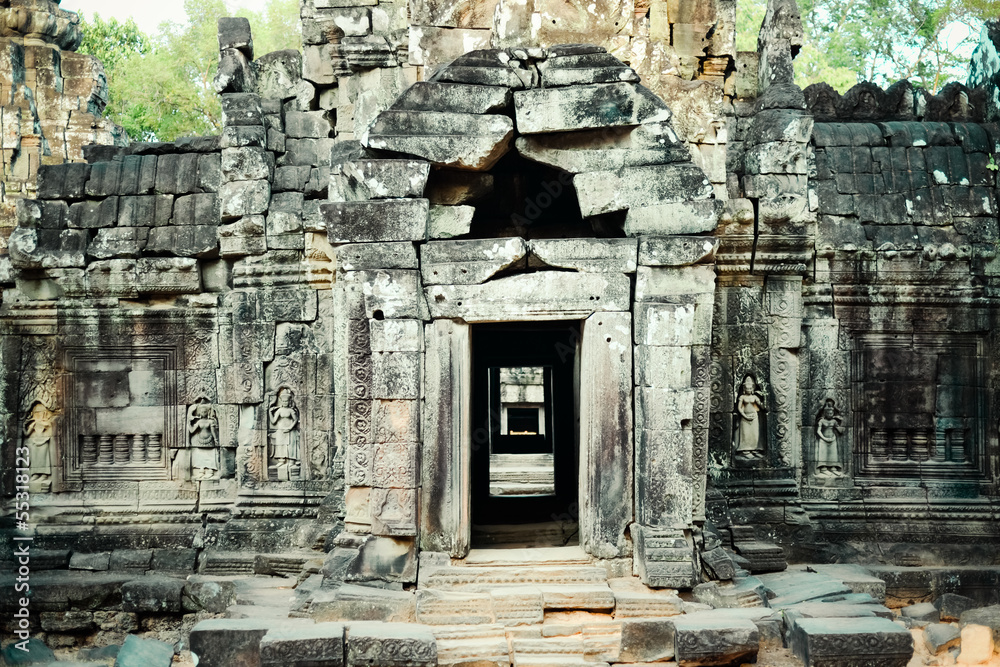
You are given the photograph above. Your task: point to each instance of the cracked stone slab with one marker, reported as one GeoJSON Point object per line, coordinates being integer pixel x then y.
{"type": "Point", "coordinates": [468, 262]}
{"type": "Point", "coordinates": [533, 296]}
{"type": "Point", "coordinates": [587, 255]}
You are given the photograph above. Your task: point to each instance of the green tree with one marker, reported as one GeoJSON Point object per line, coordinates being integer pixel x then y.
{"type": "Point", "coordinates": [165, 90]}
{"type": "Point", "coordinates": [847, 41]}
{"type": "Point", "coordinates": [112, 41]}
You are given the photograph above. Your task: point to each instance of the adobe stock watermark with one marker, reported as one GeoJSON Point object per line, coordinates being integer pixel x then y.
{"type": "Point", "coordinates": [22, 548]}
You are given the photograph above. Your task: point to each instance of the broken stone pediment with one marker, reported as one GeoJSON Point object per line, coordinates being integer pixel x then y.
{"type": "Point", "coordinates": [463, 141]}
{"type": "Point", "coordinates": [604, 149]}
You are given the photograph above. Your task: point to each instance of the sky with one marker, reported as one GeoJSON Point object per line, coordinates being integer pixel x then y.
{"type": "Point", "coordinates": [147, 13]}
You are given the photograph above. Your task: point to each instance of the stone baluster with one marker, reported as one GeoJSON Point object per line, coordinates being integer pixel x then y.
{"type": "Point", "coordinates": [121, 448]}
{"type": "Point", "coordinates": [88, 450]}
{"type": "Point", "coordinates": [900, 443]}
{"type": "Point", "coordinates": [154, 448]}
{"type": "Point", "coordinates": [107, 454]}
{"type": "Point", "coordinates": [921, 446]}
{"type": "Point", "coordinates": [880, 445]}
{"type": "Point", "coordinates": [138, 448]}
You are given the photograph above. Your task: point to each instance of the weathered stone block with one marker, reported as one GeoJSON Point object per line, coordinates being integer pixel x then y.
{"type": "Point", "coordinates": [951, 606]}
{"type": "Point", "coordinates": [392, 293]}
{"type": "Point", "coordinates": [378, 220]}
{"type": "Point", "coordinates": [304, 646]}
{"type": "Point", "coordinates": [358, 180]}
{"type": "Point", "coordinates": [246, 164]}
{"type": "Point", "coordinates": [540, 296]}
{"type": "Point", "coordinates": [703, 639]}
{"type": "Point", "coordinates": [637, 187]}
{"type": "Point", "coordinates": [587, 255]}
{"type": "Point", "coordinates": [585, 107]}
{"type": "Point", "coordinates": [464, 141]}
{"type": "Point", "coordinates": [152, 594]}
{"type": "Point", "coordinates": [676, 251]}
{"type": "Point", "coordinates": [241, 198]}
{"type": "Point", "coordinates": [211, 596]}
{"type": "Point", "coordinates": [224, 642]}
{"type": "Point", "coordinates": [837, 641]}
{"type": "Point", "coordinates": [468, 262]}
{"type": "Point", "coordinates": [454, 98]}
{"type": "Point", "coordinates": [184, 241]}
{"type": "Point", "coordinates": [647, 640]}
{"type": "Point", "coordinates": [390, 645]}
{"type": "Point", "coordinates": [67, 621]}
{"type": "Point", "coordinates": [447, 222]}
{"type": "Point", "coordinates": [234, 33]}
{"type": "Point", "coordinates": [395, 375]}
{"type": "Point", "coordinates": [362, 256]}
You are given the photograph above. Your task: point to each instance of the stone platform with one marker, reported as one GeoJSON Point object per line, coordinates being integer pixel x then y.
{"type": "Point", "coordinates": [507, 608]}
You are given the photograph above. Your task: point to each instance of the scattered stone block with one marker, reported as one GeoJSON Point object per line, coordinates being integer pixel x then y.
{"type": "Point", "coordinates": [647, 640]}
{"type": "Point", "coordinates": [139, 652]}
{"type": "Point", "coordinates": [37, 653]}
{"type": "Point", "coordinates": [851, 641]}
{"type": "Point", "coordinates": [951, 606]}
{"type": "Point", "coordinates": [303, 646]}
{"type": "Point", "coordinates": [988, 616]}
{"type": "Point", "coordinates": [703, 638]}
{"type": "Point", "coordinates": [130, 560]}
{"type": "Point", "coordinates": [211, 596]}
{"type": "Point", "coordinates": [923, 611]}
{"type": "Point", "coordinates": [941, 637]}
{"type": "Point", "coordinates": [390, 645]}
{"type": "Point", "coordinates": [152, 594]}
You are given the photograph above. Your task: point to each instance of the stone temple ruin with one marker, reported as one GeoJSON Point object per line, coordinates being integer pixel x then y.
{"type": "Point", "coordinates": [462, 346]}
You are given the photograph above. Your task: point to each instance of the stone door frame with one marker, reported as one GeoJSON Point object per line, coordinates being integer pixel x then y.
{"type": "Point", "coordinates": [605, 437]}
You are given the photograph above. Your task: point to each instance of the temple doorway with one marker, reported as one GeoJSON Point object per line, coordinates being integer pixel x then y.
{"type": "Point", "coordinates": [525, 434]}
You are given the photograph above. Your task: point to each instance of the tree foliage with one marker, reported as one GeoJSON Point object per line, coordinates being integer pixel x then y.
{"type": "Point", "coordinates": [161, 87]}
{"type": "Point", "coordinates": [846, 41]}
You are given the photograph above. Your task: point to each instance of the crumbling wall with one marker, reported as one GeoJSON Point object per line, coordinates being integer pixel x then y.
{"type": "Point", "coordinates": [51, 98]}
{"type": "Point", "coordinates": [362, 54]}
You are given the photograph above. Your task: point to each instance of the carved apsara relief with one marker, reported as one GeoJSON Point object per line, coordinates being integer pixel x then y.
{"type": "Point", "coordinates": [749, 433]}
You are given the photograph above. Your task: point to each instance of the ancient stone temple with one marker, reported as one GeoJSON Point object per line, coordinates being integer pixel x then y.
{"type": "Point", "coordinates": [493, 333]}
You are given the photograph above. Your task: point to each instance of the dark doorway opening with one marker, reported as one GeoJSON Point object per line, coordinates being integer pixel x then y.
{"type": "Point", "coordinates": [525, 425]}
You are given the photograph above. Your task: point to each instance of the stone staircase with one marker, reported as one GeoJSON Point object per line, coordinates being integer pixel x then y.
{"type": "Point", "coordinates": [532, 607]}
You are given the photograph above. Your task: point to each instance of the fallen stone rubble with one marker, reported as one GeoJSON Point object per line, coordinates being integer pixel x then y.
{"type": "Point", "coordinates": [557, 608]}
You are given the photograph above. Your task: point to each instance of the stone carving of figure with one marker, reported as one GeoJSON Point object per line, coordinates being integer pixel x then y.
{"type": "Point", "coordinates": [748, 434]}
{"type": "Point", "coordinates": [39, 429]}
{"type": "Point", "coordinates": [829, 428]}
{"type": "Point", "coordinates": [203, 439]}
{"type": "Point", "coordinates": [284, 437]}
